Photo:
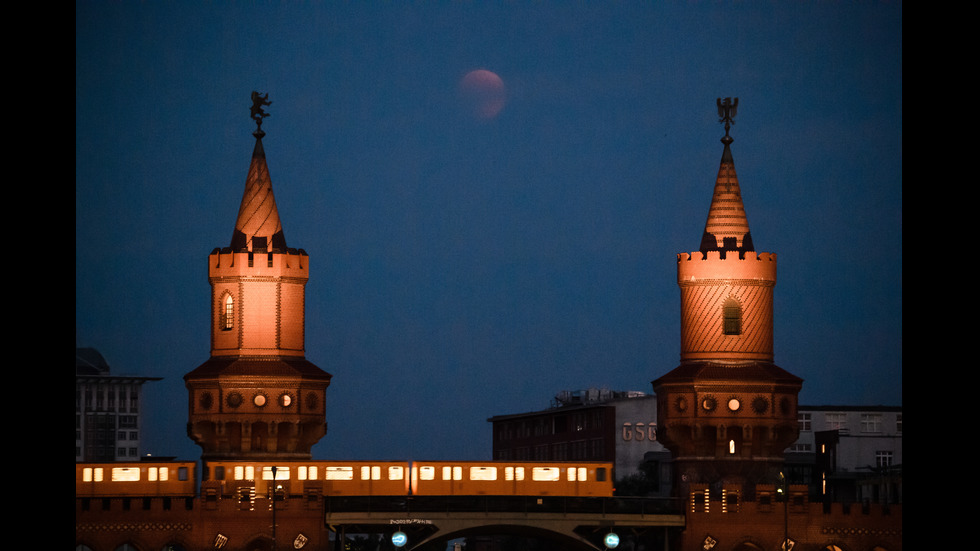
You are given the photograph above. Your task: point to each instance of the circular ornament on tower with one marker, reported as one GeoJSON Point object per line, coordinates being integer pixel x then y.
{"type": "Point", "coordinates": [311, 401]}
{"type": "Point", "coordinates": [285, 399]}
{"type": "Point", "coordinates": [206, 401]}
{"type": "Point", "coordinates": [234, 400]}
{"type": "Point", "coordinates": [708, 403]}
{"type": "Point", "coordinates": [734, 404]}
{"type": "Point", "coordinates": [680, 404]}
{"type": "Point", "coordinates": [259, 400]}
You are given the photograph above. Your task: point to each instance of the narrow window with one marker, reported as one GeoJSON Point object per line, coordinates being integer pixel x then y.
{"type": "Point", "coordinates": [228, 314]}
{"type": "Point", "coordinates": [732, 317]}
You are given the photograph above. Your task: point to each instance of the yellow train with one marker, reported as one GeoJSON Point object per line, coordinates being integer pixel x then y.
{"type": "Point", "coordinates": [348, 478]}
{"type": "Point", "coordinates": [135, 479]}
{"type": "Point", "coordinates": [511, 478]}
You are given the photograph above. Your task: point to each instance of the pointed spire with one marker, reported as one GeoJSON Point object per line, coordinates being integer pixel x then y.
{"type": "Point", "coordinates": [258, 228]}
{"type": "Point", "coordinates": [727, 227]}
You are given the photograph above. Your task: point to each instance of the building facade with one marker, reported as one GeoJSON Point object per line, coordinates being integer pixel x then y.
{"type": "Point", "coordinates": [592, 425]}
{"type": "Point", "coordinates": [850, 453]}
{"type": "Point", "coordinates": [108, 410]}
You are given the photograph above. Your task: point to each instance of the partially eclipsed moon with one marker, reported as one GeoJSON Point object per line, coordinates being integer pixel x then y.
{"type": "Point", "coordinates": [484, 93]}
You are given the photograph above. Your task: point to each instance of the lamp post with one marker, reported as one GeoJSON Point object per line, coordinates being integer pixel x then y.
{"type": "Point", "coordinates": [273, 508]}
{"type": "Point", "coordinates": [784, 490]}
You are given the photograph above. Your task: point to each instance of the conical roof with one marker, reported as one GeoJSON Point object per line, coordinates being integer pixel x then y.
{"type": "Point", "coordinates": [727, 228]}
{"type": "Point", "coordinates": [258, 228]}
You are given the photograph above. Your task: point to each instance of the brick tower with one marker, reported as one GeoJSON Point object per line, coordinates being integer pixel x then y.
{"type": "Point", "coordinates": [257, 396]}
{"type": "Point", "coordinates": [727, 412]}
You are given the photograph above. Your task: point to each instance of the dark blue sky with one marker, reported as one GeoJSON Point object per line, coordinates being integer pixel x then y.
{"type": "Point", "coordinates": [464, 269]}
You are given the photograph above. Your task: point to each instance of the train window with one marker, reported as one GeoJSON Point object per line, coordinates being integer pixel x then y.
{"type": "Point", "coordinates": [219, 473]}
{"type": "Point", "coordinates": [371, 473]}
{"type": "Point", "coordinates": [89, 474]}
{"type": "Point", "coordinates": [396, 473]}
{"type": "Point", "coordinates": [282, 473]}
{"type": "Point", "coordinates": [483, 473]}
{"type": "Point", "coordinates": [182, 473]}
{"type": "Point", "coordinates": [546, 474]}
{"type": "Point", "coordinates": [583, 474]}
{"type": "Point", "coordinates": [307, 473]}
{"type": "Point", "coordinates": [125, 474]}
{"type": "Point", "coordinates": [600, 474]}
{"type": "Point", "coordinates": [571, 474]}
{"type": "Point", "coordinates": [340, 473]}
{"type": "Point", "coordinates": [158, 473]}
{"type": "Point", "coordinates": [427, 473]}
{"type": "Point", "coordinates": [452, 473]}
{"type": "Point", "coordinates": [244, 472]}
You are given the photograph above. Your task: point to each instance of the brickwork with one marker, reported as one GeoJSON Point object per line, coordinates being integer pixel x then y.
{"type": "Point", "coordinates": [257, 395]}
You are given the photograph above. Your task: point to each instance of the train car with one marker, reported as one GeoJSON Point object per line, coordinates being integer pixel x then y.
{"type": "Point", "coordinates": [331, 478]}
{"type": "Point", "coordinates": [511, 478]}
{"type": "Point", "coordinates": [136, 479]}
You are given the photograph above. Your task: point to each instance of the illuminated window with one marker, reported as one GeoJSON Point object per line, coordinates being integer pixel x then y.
{"type": "Point", "coordinates": [228, 314]}
{"type": "Point", "coordinates": [483, 473]}
{"type": "Point", "coordinates": [732, 317]}
{"type": "Point", "coordinates": [700, 501]}
{"type": "Point", "coordinates": [125, 474]}
{"type": "Point", "coordinates": [427, 473]}
{"type": "Point", "coordinates": [396, 473]}
{"type": "Point", "coordinates": [89, 474]}
{"type": "Point", "coordinates": [340, 473]}
{"type": "Point", "coordinates": [729, 501]}
{"type": "Point", "coordinates": [731, 446]}
{"type": "Point", "coordinates": [282, 473]}
{"type": "Point", "coordinates": [546, 474]}
{"type": "Point", "coordinates": [514, 473]}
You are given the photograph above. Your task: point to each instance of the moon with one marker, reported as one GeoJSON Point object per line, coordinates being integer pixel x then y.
{"type": "Point", "coordinates": [483, 93]}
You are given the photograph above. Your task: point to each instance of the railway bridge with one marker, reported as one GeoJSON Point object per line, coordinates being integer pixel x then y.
{"type": "Point", "coordinates": [425, 522]}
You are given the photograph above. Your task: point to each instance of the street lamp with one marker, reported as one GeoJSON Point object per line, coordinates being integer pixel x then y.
{"type": "Point", "coordinates": [273, 508]}
{"type": "Point", "coordinates": [784, 489]}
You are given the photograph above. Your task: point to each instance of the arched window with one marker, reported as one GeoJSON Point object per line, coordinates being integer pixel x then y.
{"type": "Point", "coordinates": [732, 317]}
{"type": "Point", "coordinates": [228, 313]}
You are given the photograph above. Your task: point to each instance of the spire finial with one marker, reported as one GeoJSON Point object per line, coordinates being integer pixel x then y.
{"type": "Point", "coordinates": [258, 101]}
{"type": "Point", "coordinates": [727, 109]}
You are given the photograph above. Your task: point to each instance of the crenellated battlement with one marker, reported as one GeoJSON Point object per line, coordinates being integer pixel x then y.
{"type": "Point", "coordinates": [696, 265]}
{"type": "Point", "coordinates": [291, 264]}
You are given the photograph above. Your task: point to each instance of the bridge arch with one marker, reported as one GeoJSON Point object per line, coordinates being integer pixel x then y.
{"type": "Point", "coordinates": [562, 541]}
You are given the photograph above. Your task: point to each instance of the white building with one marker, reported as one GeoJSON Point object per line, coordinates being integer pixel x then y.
{"type": "Point", "coordinates": [108, 410]}
{"type": "Point", "coordinates": [853, 453]}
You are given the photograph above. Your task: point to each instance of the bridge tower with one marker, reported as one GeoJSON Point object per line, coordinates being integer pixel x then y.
{"type": "Point", "coordinates": [727, 412]}
{"type": "Point", "coordinates": [257, 396]}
